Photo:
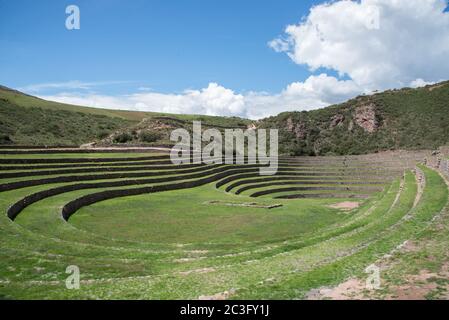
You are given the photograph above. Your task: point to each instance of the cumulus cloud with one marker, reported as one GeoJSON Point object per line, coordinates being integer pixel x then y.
{"type": "Point", "coordinates": [315, 92]}
{"type": "Point", "coordinates": [212, 100]}
{"type": "Point", "coordinates": [418, 83]}
{"type": "Point", "coordinates": [379, 44]}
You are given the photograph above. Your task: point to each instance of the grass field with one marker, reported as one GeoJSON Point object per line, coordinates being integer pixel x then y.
{"type": "Point", "coordinates": [173, 232]}
{"type": "Point", "coordinates": [191, 219]}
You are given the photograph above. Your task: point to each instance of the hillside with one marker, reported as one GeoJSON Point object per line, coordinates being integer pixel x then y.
{"type": "Point", "coordinates": [28, 120]}
{"type": "Point", "coordinates": [394, 119]}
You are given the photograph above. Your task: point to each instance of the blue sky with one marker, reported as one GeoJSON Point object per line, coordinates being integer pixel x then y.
{"type": "Point", "coordinates": [250, 58]}
{"type": "Point", "coordinates": [166, 45]}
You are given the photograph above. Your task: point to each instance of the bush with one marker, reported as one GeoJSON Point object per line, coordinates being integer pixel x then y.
{"type": "Point", "coordinates": [148, 136]}
{"type": "Point", "coordinates": [5, 139]}
{"type": "Point", "coordinates": [123, 138]}
{"type": "Point", "coordinates": [102, 134]}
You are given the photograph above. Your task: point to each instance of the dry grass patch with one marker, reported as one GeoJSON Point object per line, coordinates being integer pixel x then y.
{"type": "Point", "coordinates": [345, 206]}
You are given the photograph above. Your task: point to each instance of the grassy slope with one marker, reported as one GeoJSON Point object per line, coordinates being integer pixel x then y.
{"type": "Point", "coordinates": [28, 120]}
{"type": "Point", "coordinates": [419, 269]}
{"type": "Point", "coordinates": [434, 199]}
{"type": "Point", "coordinates": [20, 99]}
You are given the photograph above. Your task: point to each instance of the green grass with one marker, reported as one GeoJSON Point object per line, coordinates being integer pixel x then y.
{"type": "Point", "coordinates": [190, 219]}
{"type": "Point", "coordinates": [434, 200]}
{"type": "Point", "coordinates": [175, 244]}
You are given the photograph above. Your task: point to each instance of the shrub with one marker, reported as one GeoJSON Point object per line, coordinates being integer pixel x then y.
{"type": "Point", "coordinates": [102, 134]}
{"type": "Point", "coordinates": [149, 136]}
{"type": "Point", "coordinates": [5, 139]}
{"type": "Point", "coordinates": [123, 137]}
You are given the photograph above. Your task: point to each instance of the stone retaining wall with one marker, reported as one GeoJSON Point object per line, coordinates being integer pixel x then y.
{"type": "Point", "coordinates": [444, 167]}
{"type": "Point", "coordinates": [16, 208]}
{"type": "Point", "coordinates": [70, 208]}
{"type": "Point", "coordinates": [77, 160]}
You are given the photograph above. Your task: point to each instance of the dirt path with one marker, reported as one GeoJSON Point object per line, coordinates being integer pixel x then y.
{"type": "Point", "coordinates": [421, 183]}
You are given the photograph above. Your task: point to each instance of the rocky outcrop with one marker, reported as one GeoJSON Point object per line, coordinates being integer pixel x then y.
{"type": "Point", "coordinates": [365, 117]}
{"type": "Point", "coordinates": [290, 124]}
{"type": "Point", "coordinates": [337, 120]}
{"type": "Point", "coordinates": [298, 129]}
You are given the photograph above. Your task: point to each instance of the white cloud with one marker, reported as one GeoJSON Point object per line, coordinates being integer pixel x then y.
{"type": "Point", "coordinates": [323, 87]}
{"type": "Point", "coordinates": [379, 44]}
{"type": "Point", "coordinates": [71, 85]}
{"type": "Point", "coordinates": [315, 92]}
{"type": "Point", "coordinates": [418, 83]}
{"type": "Point", "coordinates": [279, 45]}
{"type": "Point", "coordinates": [92, 100]}
{"type": "Point", "coordinates": [213, 100]}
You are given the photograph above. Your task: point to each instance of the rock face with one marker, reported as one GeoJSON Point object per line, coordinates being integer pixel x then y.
{"type": "Point", "coordinates": [290, 125]}
{"type": "Point", "coordinates": [299, 129]}
{"type": "Point", "coordinates": [444, 151]}
{"type": "Point", "coordinates": [365, 117]}
{"type": "Point", "coordinates": [337, 120]}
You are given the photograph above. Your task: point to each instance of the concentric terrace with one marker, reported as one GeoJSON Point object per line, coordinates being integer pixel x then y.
{"type": "Point", "coordinates": [138, 226]}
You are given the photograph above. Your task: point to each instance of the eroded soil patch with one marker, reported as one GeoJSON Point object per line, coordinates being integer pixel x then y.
{"type": "Point", "coordinates": [345, 206]}
{"type": "Point", "coordinates": [244, 204]}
